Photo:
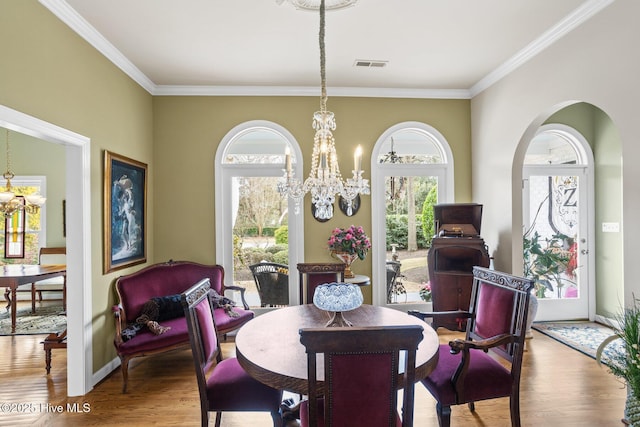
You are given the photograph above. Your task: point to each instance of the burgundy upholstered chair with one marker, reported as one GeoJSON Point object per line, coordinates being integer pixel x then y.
{"type": "Point", "coordinates": [361, 376]}
{"type": "Point", "coordinates": [223, 384]}
{"type": "Point", "coordinates": [466, 373]}
{"type": "Point", "coordinates": [314, 274]}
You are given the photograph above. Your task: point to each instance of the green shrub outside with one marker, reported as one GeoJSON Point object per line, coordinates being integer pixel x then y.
{"type": "Point", "coordinates": [427, 215]}
{"type": "Point", "coordinates": [277, 248]}
{"type": "Point", "coordinates": [398, 232]}
{"type": "Point", "coordinates": [255, 255]}
{"type": "Point", "coordinates": [253, 231]}
{"type": "Point", "coordinates": [281, 257]}
{"type": "Point", "coordinates": [282, 235]}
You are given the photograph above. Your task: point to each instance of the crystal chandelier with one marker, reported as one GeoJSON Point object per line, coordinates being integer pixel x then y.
{"type": "Point", "coordinates": [9, 202]}
{"type": "Point", "coordinates": [324, 181]}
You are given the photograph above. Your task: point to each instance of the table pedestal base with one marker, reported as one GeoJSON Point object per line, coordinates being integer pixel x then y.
{"type": "Point", "coordinates": [338, 320]}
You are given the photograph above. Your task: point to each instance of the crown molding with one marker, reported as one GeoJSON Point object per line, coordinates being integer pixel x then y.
{"type": "Point", "coordinates": [77, 23]}
{"type": "Point", "coordinates": [69, 16]}
{"type": "Point", "coordinates": [358, 92]}
{"type": "Point", "coordinates": [565, 26]}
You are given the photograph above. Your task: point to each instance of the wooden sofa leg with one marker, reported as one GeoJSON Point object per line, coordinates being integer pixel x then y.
{"type": "Point", "coordinates": [47, 358]}
{"type": "Point", "coordinates": [125, 373]}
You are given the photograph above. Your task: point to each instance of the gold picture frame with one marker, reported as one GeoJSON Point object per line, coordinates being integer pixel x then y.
{"type": "Point", "coordinates": [124, 212]}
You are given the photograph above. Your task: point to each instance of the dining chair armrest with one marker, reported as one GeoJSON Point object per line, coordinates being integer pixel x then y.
{"type": "Point", "coordinates": [119, 318]}
{"type": "Point", "coordinates": [464, 347]}
{"type": "Point", "coordinates": [242, 291]}
{"type": "Point", "coordinates": [459, 345]}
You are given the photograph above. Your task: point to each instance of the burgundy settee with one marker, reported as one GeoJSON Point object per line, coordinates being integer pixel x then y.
{"type": "Point", "coordinates": [159, 280]}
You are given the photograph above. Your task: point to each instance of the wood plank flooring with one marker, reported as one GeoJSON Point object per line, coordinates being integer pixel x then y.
{"type": "Point", "coordinates": [560, 387]}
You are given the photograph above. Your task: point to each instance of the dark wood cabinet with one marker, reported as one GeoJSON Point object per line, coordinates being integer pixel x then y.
{"type": "Point", "coordinates": [455, 249]}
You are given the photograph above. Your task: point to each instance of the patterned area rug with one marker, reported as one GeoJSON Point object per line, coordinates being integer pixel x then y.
{"type": "Point", "coordinates": [582, 336]}
{"type": "Point", "coordinates": [46, 320]}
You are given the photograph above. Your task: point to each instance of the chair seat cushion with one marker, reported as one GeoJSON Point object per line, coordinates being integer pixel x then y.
{"type": "Point", "coordinates": [486, 378]}
{"type": "Point", "coordinates": [304, 416]}
{"type": "Point", "coordinates": [145, 340]}
{"type": "Point", "coordinates": [230, 388]}
{"type": "Point", "coordinates": [226, 323]}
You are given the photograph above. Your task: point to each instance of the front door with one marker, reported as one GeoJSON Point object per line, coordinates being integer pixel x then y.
{"type": "Point", "coordinates": [556, 239]}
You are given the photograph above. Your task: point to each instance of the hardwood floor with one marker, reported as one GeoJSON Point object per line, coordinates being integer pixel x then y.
{"type": "Point", "coordinates": [560, 387]}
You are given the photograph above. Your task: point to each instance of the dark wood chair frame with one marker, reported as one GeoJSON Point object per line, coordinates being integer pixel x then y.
{"type": "Point", "coordinates": [309, 269]}
{"type": "Point", "coordinates": [509, 347]}
{"type": "Point", "coordinates": [339, 341]}
{"type": "Point", "coordinates": [190, 300]}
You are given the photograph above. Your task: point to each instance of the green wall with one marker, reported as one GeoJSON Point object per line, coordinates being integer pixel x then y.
{"type": "Point", "coordinates": [188, 131]}
{"type": "Point", "coordinates": [52, 74]}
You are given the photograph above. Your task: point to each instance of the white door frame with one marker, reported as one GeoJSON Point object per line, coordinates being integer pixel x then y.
{"type": "Point", "coordinates": [78, 211]}
{"type": "Point", "coordinates": [444, 172]}
{"type": "Point", "coordinates": [224, 174]}
{"type": "Point", "coordinates": [549, 309]}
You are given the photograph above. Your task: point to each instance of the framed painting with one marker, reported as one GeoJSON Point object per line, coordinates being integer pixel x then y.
{"type": "Point", "coordinates": [124, 212]}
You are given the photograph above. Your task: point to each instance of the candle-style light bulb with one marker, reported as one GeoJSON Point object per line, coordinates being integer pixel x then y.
{"type": "Point", "coordinates": [357, 159]}
{"type": "Point", "coordinates": [287, 158]}
{"type": "Point", "coordinates": [323, 155]}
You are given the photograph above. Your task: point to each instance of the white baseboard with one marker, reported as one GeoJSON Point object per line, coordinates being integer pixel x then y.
{"type": "Point", "coordinates": [606, 321]}
{"type": "Point", "coordinates": [107, 369]}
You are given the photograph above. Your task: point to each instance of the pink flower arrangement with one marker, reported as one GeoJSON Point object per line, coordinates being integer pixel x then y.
{"type": "Point", "coordinates": [425, 291]}
{"type": "Point", "coordinates": [352, 240]}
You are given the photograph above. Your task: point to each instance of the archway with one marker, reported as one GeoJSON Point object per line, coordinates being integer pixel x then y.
{"type": "Point", "coordinates": [600, 245]}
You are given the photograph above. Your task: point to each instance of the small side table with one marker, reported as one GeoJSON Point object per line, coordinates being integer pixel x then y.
{"type": "Point", "coordinates": [358, 279]}
{"type": "Point", "coordinates": [54, 340]}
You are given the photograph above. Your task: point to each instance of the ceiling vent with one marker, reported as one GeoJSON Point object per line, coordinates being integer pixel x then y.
{"type": "Point", "coordinates": [367, 63]}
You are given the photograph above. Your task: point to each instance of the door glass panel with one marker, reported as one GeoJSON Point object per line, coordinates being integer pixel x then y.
{"type": "Point", "coordinates": [551, 238]}
{"type": "Point", "coordinates": [260, 234]}
{"type": "Point", "coordinates": [408, 230]}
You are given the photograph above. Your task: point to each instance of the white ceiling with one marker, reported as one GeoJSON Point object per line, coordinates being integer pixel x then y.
{"type": "Point", "coordinates": [434, 48]}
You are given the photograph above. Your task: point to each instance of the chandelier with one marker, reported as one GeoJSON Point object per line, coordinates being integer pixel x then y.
{"type": "Point", "coordinates": [324, 181]}
{"type": "Point", "coordinates": [9, 201]}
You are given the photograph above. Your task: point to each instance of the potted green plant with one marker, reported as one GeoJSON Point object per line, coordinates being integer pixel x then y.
{"type": "Point", "coordinates": [626, 364]}
{"type": "Point", "coordinates": [545, 260]}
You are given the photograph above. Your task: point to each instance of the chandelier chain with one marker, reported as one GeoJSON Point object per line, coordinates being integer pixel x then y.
{"type": "Point", "coordinates": [8, 175]}
{"type": "Point", "coordinates": [323, 78]}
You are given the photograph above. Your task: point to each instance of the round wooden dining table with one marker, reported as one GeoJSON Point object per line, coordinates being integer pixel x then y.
{"type": "Point", "coordinates": [269, 349]}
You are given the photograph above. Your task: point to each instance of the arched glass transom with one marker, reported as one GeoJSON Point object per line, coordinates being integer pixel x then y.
{"type": "Point", "coordinates": [257, 145]}
{"type": "Point", "coordinates": [554, 147]}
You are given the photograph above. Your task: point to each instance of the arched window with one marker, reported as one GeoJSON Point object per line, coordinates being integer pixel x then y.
{"type": "Point", "coordinates": [249, 210]}
{"type": "Point", "coordinates": [411, 163]}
